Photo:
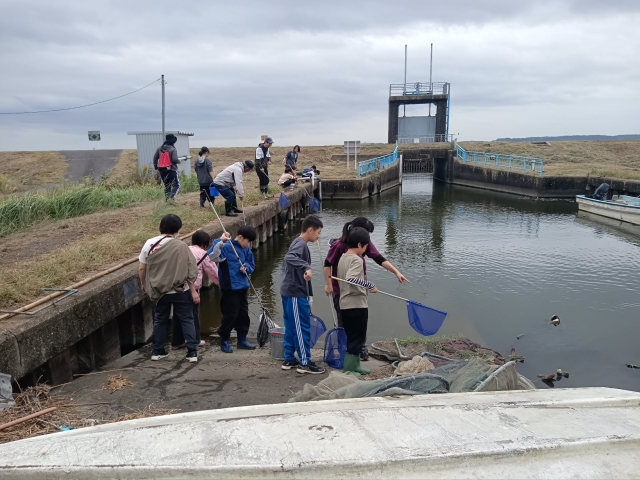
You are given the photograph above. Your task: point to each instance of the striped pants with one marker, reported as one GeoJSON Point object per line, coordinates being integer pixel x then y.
{"type": "Point", "coordinates": [297, 333]}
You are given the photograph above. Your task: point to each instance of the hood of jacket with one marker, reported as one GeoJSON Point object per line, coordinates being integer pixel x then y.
{"type": "Point", "coordinates": [200, 160]}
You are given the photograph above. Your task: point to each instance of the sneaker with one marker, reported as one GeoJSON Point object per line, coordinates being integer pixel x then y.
{"type": "Point", "coordinates": [202, 343]}
{"type": "Point", "coordinates": [159, 354]}
{"type": "Point", "coordinates": [192, 356]}
{"type": "Point", "coordinates": [311, 368]}
{"type": "Point", "coordinates": [289, 364]}
{"type": "Point", "coordinates": [364, 355]}
{"type": "Point", "coordinates": [178, 347]}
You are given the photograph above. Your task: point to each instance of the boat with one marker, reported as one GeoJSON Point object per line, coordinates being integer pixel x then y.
{"type": "Point", "coordinates": [551, 433]}
{"type": "Point", "coordinates": [621, 207]}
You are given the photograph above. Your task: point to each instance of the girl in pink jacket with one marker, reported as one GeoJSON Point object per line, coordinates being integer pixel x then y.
{"type": "Point", "coordinates": [200, 241]}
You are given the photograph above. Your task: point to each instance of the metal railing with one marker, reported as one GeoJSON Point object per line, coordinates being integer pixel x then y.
{"type": "Point", "coordinates": [418, 88]}
{"type": "Point", "coordinates": [377, 164]}
{"type": "Point", "coordinates": [426, 139]}
{"type": "Point", "coordinates": [499, 160]}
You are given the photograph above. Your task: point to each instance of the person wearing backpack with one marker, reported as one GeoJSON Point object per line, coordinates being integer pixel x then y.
{"type": "Point", "coordinates": [166, 162]}
{"type": "Point", "coordinates": [263, 160]}
{"type": "Point", "coordinates": [204, 171]}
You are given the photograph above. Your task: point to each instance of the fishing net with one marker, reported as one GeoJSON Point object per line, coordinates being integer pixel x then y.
{"type": "Point", "coordinates": [424, 320]}
{"type": "Point", "coordinates": [335, 348]}
{"type": "Point", "coordinates": [314, 204]}
{"type": "Point", "coordinates": [453, 376]}
{"type": "Point", "coordinates": [317, 329]}
{"type": "Point", "coordinates": [284, 201]}
{"type": "Point", "coordinates": [265, 324]}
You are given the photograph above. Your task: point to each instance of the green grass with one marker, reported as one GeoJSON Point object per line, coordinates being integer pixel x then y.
{"type": "Point", "coordinates": [23, 211]}
{"type": "Point", "coordinates": [435, 341]}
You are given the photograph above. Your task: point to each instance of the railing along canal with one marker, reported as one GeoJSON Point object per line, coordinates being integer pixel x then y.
{"type": "Point", "coordinates": [377, 164]}
{"type": "Point", "coordinates": [499, 160]}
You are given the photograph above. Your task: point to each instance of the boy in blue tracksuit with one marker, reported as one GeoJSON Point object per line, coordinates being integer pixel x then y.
{"type": "Point", "coordinates": [233, 270]}
{"type": "Point", "coordinates": [296, 292]}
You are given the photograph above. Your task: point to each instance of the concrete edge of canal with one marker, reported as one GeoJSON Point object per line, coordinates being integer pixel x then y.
{"type": "Point", "coordinates": [109, 315]}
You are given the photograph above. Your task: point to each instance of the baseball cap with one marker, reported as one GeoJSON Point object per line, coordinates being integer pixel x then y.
{"type": "Point", "coordinates": [268, 140]}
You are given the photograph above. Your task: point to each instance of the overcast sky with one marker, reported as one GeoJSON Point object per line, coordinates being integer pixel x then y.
{"type": "Point", "coordinates": [313, 73]}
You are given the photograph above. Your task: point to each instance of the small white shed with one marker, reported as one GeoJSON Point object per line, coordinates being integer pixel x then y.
{"type": "Point", "coordinates": [148, 143]}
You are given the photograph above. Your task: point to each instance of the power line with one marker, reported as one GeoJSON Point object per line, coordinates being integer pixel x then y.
{"type": "Point", "coordinates": [81, 106]}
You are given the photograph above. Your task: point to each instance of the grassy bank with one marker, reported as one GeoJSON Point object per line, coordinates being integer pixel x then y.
{"type": "Point", "coordinates": [17, 212]}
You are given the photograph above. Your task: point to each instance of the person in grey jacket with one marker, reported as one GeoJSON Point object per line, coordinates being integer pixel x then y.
{"type": "Point", "coordinates": [263, 160]}
{"type": "Point", "coordinates": [229, 182]}
{"type": "Point", "coordinates": [168, 174]}
{"type": "Point", "coordinates": [204, 172]}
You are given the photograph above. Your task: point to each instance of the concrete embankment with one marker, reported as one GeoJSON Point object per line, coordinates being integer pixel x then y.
{"type": "Point", "coordinates": [449, 169]}
{"type": "Point", "coordinates": [107, 316]}
{"type": "Point", "coordinates": [359, 188]}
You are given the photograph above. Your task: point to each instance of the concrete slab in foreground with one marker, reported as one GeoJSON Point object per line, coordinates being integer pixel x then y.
{"type": "Point", "coordinates": [562, 433]}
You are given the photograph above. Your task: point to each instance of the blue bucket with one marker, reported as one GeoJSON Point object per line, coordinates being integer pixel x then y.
{"type": "Point", "coordinates": [213, 191]}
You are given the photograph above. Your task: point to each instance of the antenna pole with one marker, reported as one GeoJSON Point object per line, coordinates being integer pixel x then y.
{"type": "Point", "coordinates": [162, 82]}
{"type": "Point", "coordinates": [404, 88]}
{"type": "Point", "coordinates": [430, 76]}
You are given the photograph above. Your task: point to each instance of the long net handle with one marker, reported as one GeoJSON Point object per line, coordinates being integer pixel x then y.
{"type": "Point", "coordinates": [379, 291]}
{"type": "Point", "coordinates": [236, 253]}
{"type": "Point", "coordinates": [330, 298]}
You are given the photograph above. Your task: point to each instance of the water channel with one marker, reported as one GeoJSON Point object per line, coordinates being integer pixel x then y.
{"type": "Point", "coordinates": [501, 266]}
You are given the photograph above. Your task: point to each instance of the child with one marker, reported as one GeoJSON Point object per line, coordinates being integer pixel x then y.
{"type": "Point", "coordinates": [168, 273]}
{"type": "Point", "coordinates": [295, 292]}
{"type": "Point", "coordinates": [204, 171]}
{"type": "Point", "coordinates": [353, 300]}
{"type": "Point", "coordinates": [234, 284]}
{"type": "Point", "coordinates": [200, 241]}
{"type": "Point", "coordinates": [288, 178]}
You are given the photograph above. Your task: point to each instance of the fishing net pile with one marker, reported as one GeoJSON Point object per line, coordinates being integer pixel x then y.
{"type": "Point", "coordinates": [451, 376]}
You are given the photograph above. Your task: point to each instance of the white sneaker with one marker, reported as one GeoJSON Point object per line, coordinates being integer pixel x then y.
{"type": "Point", "coordinates": [159, 355]}
{"type": "Point", "coordinates": [192, 357]}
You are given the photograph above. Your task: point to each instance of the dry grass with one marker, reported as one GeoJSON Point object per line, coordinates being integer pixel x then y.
{"type": "Point", "coordinates": [618, 159]}
{"type": "Point", "coordinates": [125, 168]}
{"type": "Point", "coordinates": [33, 400]}
{"type": "Point", "coordinates": [34, 168]}
{"type": "Point", "coordinates": [117, 382]}
{"type": "Point", "coordinates": [90, 244]}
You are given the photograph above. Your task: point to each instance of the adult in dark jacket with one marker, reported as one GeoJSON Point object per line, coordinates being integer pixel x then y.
{"type": "Point", "coordinates": [169, 175]}
{"type": "Point", "coordinates": [263, 160]}
{"type": "Point", "coordinates": [291, 160]}
{"type": "Point", "coordinates": [204, 172]}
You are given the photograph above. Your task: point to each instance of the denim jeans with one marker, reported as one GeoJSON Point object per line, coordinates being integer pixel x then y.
{"type": "Point", "coordinates": [227, 193]}
{"type": "Point", "coordinates": [171, 183]}
{"type": "Point", "coordinates": [177, 338]}
{"type": "Point", "coordinates": [182, 312]}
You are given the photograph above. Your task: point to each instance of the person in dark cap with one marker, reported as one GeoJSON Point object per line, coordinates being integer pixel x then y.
{"type": "Point", "coordinates": [166, 162]}
{"type": "Point", "coordinates": [263, 160]}
{"type": "Point", "coordinates": [229, 182]}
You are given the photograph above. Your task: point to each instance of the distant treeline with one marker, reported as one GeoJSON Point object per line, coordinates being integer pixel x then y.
{"type": "Point", "coordinates": [569, 138]}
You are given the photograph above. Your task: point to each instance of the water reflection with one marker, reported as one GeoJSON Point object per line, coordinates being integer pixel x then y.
{"type": "Point", "coordinates": [501, 266]}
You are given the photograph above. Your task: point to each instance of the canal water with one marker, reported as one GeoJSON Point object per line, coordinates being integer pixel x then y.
{"type": "Point", "coordinates": [501, 266]}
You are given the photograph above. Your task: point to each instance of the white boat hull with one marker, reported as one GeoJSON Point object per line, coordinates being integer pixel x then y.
{"type": "Point", "coordinates": [624, 213]}
{"type": "Point", "coordinates": [555, 433]}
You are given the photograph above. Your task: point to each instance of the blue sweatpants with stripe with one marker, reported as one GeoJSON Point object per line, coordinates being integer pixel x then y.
{"type": "Point", "coordinates": [297, 333]}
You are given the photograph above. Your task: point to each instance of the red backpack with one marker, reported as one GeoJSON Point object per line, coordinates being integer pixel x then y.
{"type": "Point", "coordinates": [165, 160]}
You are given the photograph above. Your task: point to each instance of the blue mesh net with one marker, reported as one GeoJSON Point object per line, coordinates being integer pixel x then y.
{"type": "Point", "coordinates": [317, 329]}
{"type": "Point", "coordinates": [284, 201]}
{"type": "Point", "coordinates": [425, 320]}
{"type": "Point", "coordinates": [314, 204]}
{"type": "Point", "coordinates": [335, 348]}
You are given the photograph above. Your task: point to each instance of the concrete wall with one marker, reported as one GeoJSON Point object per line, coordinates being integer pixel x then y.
{"type": "Point", "coordinates": [361, 188]}
{"type": "Point", "coordinates": [414, 127]}
{"type": "Point", "coordinates": [106, 317]}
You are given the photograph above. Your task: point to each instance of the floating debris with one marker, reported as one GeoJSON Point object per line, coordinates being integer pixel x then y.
{"type": "Point", "coordinates": [555, 321]}
{"type": "Point", "coordinates": [631, 365]}
{"type": "Point", "coordinates": [518, 337]}
{"type": "Point", "coordinates": [566, 374]}
{"type": "Point", "coordinates": [551, 376]}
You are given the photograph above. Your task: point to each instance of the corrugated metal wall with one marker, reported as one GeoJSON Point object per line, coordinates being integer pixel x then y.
{"type": "Point", "coordinates": [148, 143]}
{"type": "Point", "coordinates": [414, 127]}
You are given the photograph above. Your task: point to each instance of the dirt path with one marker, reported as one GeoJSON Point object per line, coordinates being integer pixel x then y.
{"type": "Point", "coordinates": [84, 163]}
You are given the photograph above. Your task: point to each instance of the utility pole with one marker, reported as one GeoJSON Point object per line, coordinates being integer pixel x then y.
{"type": "Point", "coordinates": [162, 82]}
{"type": "Point", "coordinates": [430, 76]}
{"type": "Point", "coordinates": [404, 87]}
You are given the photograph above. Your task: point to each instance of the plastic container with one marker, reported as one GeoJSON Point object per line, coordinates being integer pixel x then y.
{"type": "Point", "coordinates": [276, 338]}
{"type": "Point", "coordinates": [213, 191]}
